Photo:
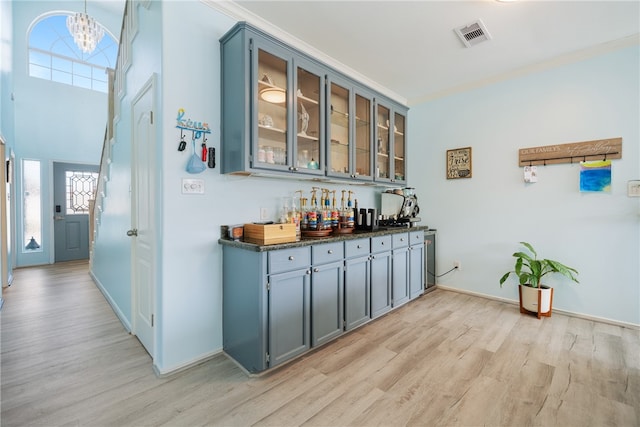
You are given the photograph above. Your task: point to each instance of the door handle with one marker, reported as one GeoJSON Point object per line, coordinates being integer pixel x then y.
{"type": "Point", "coordinates": [132, 232]}
{"type": "Point", "coordinates": [58, 217]}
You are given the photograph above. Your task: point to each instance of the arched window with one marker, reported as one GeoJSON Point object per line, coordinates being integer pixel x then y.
{"type": "Point", "coordinates": [54, 56]}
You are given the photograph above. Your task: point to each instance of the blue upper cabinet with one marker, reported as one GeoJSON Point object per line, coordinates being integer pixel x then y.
{"type": "Point", "coordinates": [390, 143]}
{"type": "Point", "coordinates": [286, 113]}
{"type": "Point", "coordinates": [273, 103]}
{"type": "Point", "coordinates": [350, 131]}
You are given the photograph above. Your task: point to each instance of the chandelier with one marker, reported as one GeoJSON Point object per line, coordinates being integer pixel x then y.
{"type": "Point", "coordinates": [86, 31]}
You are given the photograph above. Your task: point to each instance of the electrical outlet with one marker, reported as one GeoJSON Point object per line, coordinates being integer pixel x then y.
{"type": "Point", "coordinates": [264, 213]}
{"type": "Point", "coordinates": [633, 188]}
{"type": "Point", "coordinates": [457, 265]}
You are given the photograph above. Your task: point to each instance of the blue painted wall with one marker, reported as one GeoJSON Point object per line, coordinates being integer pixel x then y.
{"type": "Point", "coordinates": [481, 220]}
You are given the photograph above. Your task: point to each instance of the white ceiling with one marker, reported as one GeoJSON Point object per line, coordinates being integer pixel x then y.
{"type": "Point", "coordinates": [410, 48]}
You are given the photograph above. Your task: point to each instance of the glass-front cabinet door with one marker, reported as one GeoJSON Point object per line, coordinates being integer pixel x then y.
{"type": "Point", "coordinates": [383, 148]}
{"type": "Point", "coordinates": [271, 149]}
{"type": "Point", "coordinates": [349, 132]}
{"type": "Point", "coordinates": [363, 134]}
{"type": "Point", "coordinates": [399, 147]}
{"type": "Point", "coordinates": [309, 136]}
{"type": "Point", "coordinates": [339, 156]}
{"type": "Point", "coordinates": [391, 144]}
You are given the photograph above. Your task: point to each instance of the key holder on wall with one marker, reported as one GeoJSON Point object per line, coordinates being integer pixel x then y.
{"type": "Point", "coordinates": [198, 130]}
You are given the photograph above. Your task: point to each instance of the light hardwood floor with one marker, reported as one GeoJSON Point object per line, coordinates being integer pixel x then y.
{"type": "Point", "coordinates": [446, 359]}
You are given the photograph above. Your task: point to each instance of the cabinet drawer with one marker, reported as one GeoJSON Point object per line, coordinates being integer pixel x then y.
{"type": "Point", "coordinates": [380, 244]}
{"type": "Point", "coordinates": [355, 248]}
{"type": "Point", "coordinates": [289, 259]}
{"type": "Point", "coordinates": [326, 253]}
{"type": "Point", "coordinates": [416, 237]}
{"type": "Point", "coordinates": [400, 240]}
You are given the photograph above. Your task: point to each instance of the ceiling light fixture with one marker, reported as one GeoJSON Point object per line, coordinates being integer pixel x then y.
{"type": "Point", "coordinates": [272, 93]}
{"type": "Point", "coordinates": [86, 31]}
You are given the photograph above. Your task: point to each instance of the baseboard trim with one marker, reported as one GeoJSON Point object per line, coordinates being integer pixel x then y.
{"type": "Point", "coordinates": [123, 319]}
{"type": "Point", "coordinates": [164, 373]}
{"type": "Point", "coordinates": [555, 310]}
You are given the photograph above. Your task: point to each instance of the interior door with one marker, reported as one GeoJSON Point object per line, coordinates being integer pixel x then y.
{"type": "Point", "coordinates": [73, 187]}
{"type": "Point", "coordinates": [4, 259]}
{"type": "Point", "coordinates": [142, 216]}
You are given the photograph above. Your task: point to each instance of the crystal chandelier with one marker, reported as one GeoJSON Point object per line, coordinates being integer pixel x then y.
{"type": "Point", "coordinates": [85, 30]}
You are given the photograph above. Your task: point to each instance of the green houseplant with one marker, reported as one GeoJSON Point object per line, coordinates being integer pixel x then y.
{"type": "Point", "coordinates": [534, 296]}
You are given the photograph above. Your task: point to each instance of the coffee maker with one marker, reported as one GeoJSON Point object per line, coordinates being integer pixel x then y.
{"type": "Point", "coordinates": [399, 208]}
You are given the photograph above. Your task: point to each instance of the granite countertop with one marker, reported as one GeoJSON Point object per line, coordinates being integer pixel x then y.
{"type": "Point", "coordinates": [306, 241]}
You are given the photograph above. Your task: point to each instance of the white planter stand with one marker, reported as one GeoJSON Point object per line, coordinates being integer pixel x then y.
{"type": "Point", "coordinates": [536, 300]}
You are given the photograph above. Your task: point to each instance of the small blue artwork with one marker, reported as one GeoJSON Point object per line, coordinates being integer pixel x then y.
{"type": "Point", "coordinates": [595, 176]}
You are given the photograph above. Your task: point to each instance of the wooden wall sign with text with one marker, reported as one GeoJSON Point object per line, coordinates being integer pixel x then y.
{"type": "Point", "coordinates": [459, 163]}
{"type": "Point", "coordinates": [576, 152]}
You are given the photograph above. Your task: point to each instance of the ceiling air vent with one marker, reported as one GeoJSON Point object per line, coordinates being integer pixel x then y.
{"type": "Point", "coordinates": [473, 33]}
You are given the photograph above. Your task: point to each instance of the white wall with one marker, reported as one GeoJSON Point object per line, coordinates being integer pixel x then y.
{"type": "Point", "coordinates": [481, 220]}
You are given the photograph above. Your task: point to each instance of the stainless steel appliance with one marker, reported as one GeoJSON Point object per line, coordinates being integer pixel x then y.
{"type": "Point", "coordinates": [399, 208]}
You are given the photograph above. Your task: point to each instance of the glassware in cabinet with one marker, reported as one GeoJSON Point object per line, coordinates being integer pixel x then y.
{"type": "Point", "coordinates": [339, 135]}
{"type": "Point", "coordinates": [363, 136]}
{"type": "Point", "coordinates": [308, 121]}
{"type": "Point", "coordinates": [383, 161]}
{"type": "Point", "coordinates": [272, 111]}
{"type": "Point", "coordinates": [399, 146]}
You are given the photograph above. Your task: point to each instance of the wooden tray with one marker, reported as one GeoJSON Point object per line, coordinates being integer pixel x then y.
{"type": "Point", "coordinates": [316, 233]}
{"type": "Point", "coordinates": [346, 230]}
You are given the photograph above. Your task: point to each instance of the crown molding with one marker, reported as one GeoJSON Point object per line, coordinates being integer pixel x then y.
{"type": "Point", "coordinates": [238, 13]}
{"type": "Point", "coordinates": [570, 58]}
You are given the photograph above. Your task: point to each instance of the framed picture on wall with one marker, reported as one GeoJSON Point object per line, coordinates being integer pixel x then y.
{"type": "Point", "coordinates": [459, 163]}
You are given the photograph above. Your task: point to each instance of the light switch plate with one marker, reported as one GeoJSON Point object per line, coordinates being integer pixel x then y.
{"type": "Point", "coordinates": [192, 186]}
{"type": "Point", "coordinates": [633, 188]}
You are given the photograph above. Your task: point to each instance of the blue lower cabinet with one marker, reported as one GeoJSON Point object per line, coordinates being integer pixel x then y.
{"type": "Point", "coordinates": [278, 304]}
{"type": "Point", "coordinates": [380, 275]}
{"type": "Point", "coordinates": [400, 278]}
{"type": "Point", "coordinates": [327, 295]}
{"type": "Point", "coordinates": [289, 315]}
{"type": "Point", "coordinates": [416, 265]}
{"type": "Point", "coordinates": [357, 298]}
{"type": "Point", "coordinates": [380, 283]}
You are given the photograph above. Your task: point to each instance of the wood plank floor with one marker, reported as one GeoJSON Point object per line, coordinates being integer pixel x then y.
{"type": "Point", "coordinates": [446, 359]}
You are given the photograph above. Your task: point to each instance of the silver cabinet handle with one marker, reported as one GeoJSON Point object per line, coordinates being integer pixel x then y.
{"type": "Point", "coordinates": [291, 258]}
{"type": "Point", "coordinates": [132, 232]}
{"type": "Point", "coordinates": [329, 251]}
{"type": "Point", "coordinates": [359, 246]}
{"type": "Point", "coordinates": [316, 270]}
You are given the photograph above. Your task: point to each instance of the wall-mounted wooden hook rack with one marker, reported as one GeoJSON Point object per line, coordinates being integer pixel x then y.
{"type": "Point", "coordinates": [607, 149]}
